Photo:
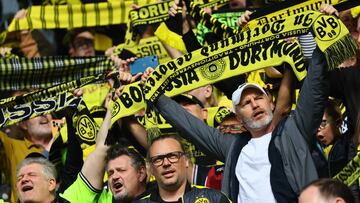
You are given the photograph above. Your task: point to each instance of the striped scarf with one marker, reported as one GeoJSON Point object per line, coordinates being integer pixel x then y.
{"type": "Point", "coordinates": [228, 18]}
{"type": "Point", "coordinates": [257, 48]}
{"type": "Point", "coordinates": [74, 16]}
{"type": "Point", "coordinates": [158, 12]}
{"type": "Point", "coordinates": [42, 72]}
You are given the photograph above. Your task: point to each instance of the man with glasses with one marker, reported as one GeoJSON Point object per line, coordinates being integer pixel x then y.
{"type": "Point", "coordinates": [80, 42]}
{"type": "Point", "coordinates": [230, 124]}
{"type": "Point", "coordinates": [168, 163]}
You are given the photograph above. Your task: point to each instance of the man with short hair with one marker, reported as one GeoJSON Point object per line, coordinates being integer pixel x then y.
{"type": "Point", "coordinates": [326, 191]}
{"type": "Point", "coordinates": [168, 163]}
{"type": "Point", "coordinates": [125, 167]}
{"type": "Point", "coordinates": [36, 181]}
{"type": "Point", "coordinates": [231, 124]}
{"type": "Point", "coordinates": [126, 171]}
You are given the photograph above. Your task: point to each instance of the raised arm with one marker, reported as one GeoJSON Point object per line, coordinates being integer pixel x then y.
{"type": "Point", "coordinates": [210, 140]}
{"type": "Point", "coordinates": [314, 92]}
{"type": "Point", "coordinates": [94, 166]}
{"type": "Point", "coordinates": [137, 130]}
{"type": "Point", "coordinates": [283, 100]}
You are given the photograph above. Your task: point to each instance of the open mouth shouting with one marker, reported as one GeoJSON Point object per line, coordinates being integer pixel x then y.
{"type": "Point", "coordinates": [117, 187]}
{"type": "Point", "coordinates": [27, 188]}
{"type": "Point", "coordinates": [258, 114]}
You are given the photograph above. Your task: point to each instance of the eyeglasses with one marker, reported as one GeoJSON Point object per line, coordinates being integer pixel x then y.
{"type": "Point", "coordinates": [324, 123]}
{"type": "Point", "coordinates": [172, 157]}
{"type": "Point", "coordinates": [230, 127]}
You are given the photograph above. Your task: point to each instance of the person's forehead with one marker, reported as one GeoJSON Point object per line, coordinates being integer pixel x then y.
{"type": "Point", "coordinates": [33, 167]}
{"type": "Point", "coordinates": [85, 34]}
{"type": "Point", "coordinates": [250, 91]}
{"type": "Point", "coordinates": [164, 146]}
{"type": "Point", "coordinates": [230, 121]}
{"type": "Point", "coordinates": [120, 161]}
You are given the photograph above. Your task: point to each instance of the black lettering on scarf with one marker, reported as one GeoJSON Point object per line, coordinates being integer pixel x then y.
{"type": "Point", "coordinates": [185, 78]}
{"type": "Point", "coordinates": [129, 98]}
{"type": "Point", "coordinates": [304, 20]}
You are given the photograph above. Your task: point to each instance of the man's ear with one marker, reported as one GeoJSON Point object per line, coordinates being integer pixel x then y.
{"type": "Point", "coordinates": [272, 105]}
{"type": "Point", "coordinates": [208, 91]}
{"type": "Point", "coordinates": [142, 173]}
{"type": "Point", "coordinates": [339, 200]}
{"type": "Point", "coordinates": [187, 159]}
{"type": "Point", "coordinates": [23, 125]}
{"type": "Point", "coordinates": [52, 184]}
{"type": "Point", "coordinates": [204, 113]}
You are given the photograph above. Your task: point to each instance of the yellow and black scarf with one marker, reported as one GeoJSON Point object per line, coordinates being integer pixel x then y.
{"type": "Point", "coordinates": [18, 73]}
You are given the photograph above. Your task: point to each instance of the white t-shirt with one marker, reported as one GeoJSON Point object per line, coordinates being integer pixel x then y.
{"type": "Point", "coordinates": [253, 172]}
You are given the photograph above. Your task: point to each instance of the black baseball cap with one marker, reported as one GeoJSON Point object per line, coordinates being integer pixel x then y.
{"type": "Point", "coordinates": [188, 98]}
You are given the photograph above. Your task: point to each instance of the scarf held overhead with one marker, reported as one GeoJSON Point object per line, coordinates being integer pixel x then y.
{"type": "Point", "coordinates": [255, 49]}
{"type": "Point", "coordinates": [158, 12]}
{"type": "Point", "coordinates": [42, 72]}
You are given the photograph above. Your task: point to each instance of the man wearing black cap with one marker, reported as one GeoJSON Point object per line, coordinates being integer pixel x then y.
{"type": "Point", "coordinates": [202, 162]}
{"type": "Point", "coordinates": [192, 104]}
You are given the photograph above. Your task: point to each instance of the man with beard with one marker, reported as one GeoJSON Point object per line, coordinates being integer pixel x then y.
{"type": "Point", "coordinates": [274, 162]}
{"type": "Point", "coordinates": [168, 163]}
{"type": "Point", "coordinates": [125, 168]}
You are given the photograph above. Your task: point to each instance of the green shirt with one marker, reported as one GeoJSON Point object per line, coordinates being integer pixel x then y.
{"type": "Point", "coordinates": [82, 191]}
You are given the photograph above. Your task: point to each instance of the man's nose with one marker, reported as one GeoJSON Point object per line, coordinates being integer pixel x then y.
{"type": "Point", "coordinates": [24, 179]}
{"type": "Point", "coordinates": [166, 162]}
{"type": "Point", "coordinates": [254, 104]}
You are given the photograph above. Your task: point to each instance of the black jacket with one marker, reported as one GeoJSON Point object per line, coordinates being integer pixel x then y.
{"type": "Point", "coordinates": [192, 194]}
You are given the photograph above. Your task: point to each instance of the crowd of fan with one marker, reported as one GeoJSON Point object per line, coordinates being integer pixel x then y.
{"type": "Point", "coordinates": [272, 147]}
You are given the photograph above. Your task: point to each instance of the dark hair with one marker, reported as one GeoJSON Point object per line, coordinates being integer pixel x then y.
{"type": "Point", "coordinates": [176, 137]}
{"type": "Point", "coordinates": [357, 129]}
{"type": "Point", "coordinates": [117, 150]}
{"type": "Point", "coordinates": [333, 111]}
{"type": "Point", "coordinates": [330, 188]}
{"type": "Point", "coordinates": [229, 116]}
